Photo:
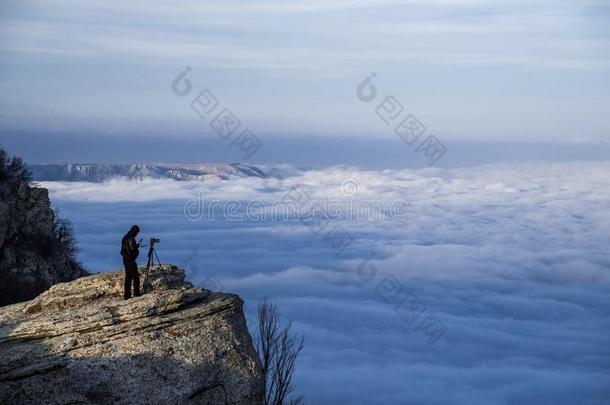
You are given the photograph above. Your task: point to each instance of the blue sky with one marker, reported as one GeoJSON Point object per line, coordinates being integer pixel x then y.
{"type": "Point", "coordinates": [469, 69]}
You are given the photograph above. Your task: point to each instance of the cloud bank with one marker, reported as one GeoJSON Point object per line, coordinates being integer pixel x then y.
{"type": "Point", "coordinates": [511, 260]}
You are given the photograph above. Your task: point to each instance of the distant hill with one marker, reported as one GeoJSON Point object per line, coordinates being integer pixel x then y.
{"type": "Point", "coordinates": [93, 172]}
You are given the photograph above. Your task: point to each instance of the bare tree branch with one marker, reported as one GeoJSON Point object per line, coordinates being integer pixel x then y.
{"type": "Point", "coordinates": [278, 351]}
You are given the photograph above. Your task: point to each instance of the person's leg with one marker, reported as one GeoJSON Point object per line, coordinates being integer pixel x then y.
{"type": "Point", "coordinates": [128, 275]}
{"type": "Point", "coordinates": [136, 280]}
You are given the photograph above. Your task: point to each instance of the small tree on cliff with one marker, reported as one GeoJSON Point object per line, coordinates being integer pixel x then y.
{"type": "Point", "coordinates": [12, 169]}
{"type": "Point", "coordinates": [63, 233]}
{"type": "Point", "coordinates": [277, 349]}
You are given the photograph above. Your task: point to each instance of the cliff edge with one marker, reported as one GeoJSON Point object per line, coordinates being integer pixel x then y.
{"type": "Point", "coordinates": [37, 249]}
{"type": "Point", "coordinates": [80, 342]}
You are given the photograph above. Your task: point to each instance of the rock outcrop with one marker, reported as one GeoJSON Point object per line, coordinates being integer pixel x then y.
{"type": "Point", "coordinates": [80, 342]}
{"type": "Point", "coordinates": [32, 254]}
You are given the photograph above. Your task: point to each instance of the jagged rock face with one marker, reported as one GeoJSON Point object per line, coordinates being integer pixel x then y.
{"type": "Point", "coordinates": [92, 172]}
{"type": "Point", "coordinates": [31, 260]}
{"type": "Point", "coordinates": [80, 342]}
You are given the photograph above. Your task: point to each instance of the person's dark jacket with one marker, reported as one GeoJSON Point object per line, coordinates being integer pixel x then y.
{"type": "Point", "coordinates": [129, 247]}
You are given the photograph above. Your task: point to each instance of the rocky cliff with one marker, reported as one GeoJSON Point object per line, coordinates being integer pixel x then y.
{"type": "Point", "coordinates": [35, 252]}
{"type": "Point", "coordinates": [80, 342]}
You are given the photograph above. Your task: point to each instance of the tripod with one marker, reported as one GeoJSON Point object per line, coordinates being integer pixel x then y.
{"type": "Point", "coordinates": [152, 255]}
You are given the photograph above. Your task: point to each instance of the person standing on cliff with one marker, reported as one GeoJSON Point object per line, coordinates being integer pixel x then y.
{"type": "Point", "coordinates": [130, 251]}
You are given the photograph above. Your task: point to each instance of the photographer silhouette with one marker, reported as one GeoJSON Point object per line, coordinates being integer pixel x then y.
{"type": "Point", "coordinates": [130, 251]}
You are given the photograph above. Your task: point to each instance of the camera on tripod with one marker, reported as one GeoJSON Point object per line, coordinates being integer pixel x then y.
{"type": "Point", "coordinates": [152, 255]}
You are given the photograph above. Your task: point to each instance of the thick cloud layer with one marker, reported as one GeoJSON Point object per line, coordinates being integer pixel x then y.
{"type": "Point", "coordinates": [510, 263]}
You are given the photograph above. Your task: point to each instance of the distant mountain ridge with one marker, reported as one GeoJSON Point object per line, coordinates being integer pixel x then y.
{"type": "Point", "coordinates": [97, 173]}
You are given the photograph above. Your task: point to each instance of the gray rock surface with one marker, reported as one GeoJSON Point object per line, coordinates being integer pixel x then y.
{"type": "Point", "coordinates": [79, 342]}
{"type": "Point", "coordinates": [31, 257]}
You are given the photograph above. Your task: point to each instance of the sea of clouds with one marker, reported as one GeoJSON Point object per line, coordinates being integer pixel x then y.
{"type": "Point", "coordinates": [491, 284]}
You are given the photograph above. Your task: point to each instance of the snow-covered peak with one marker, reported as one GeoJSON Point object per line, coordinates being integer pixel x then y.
{"type": "Point", "coordinates": [94, 172]}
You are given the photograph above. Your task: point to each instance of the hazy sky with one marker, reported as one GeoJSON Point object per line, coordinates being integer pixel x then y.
{"type": "Point", "coordinates": [488, 70]}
